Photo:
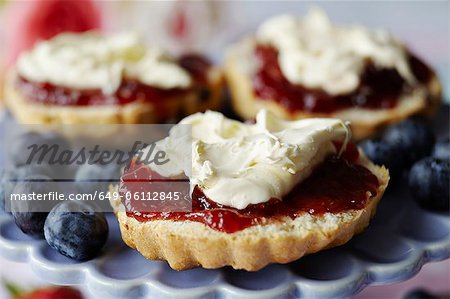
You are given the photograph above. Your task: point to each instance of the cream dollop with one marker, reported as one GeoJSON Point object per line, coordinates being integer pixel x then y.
{"type": "Point", "coordinates": [317, 54]}
{"type": "Point", "coordinates": [94, 61]}
{"type": "Point", "coordinates": [237, 164]}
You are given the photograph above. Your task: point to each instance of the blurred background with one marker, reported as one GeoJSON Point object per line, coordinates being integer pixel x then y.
{"type": "Point", "coordinates": [209, 26]}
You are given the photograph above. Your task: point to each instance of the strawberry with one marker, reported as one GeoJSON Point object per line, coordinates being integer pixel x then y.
{"type": "Point", "coordinates": [31, 21]}
{"type": "Point", "coordinates": [53, 293]}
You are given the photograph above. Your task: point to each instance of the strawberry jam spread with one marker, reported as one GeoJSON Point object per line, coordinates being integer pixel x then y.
{"type": "Point", "coordinates": [378, 88]}
{"type": "Point", "coordinates": [337, 185]}
{"type": "Point", "coordinates": [129, 91]}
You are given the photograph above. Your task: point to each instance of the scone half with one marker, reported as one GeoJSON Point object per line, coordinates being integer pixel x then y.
{"type": "Point", "coordinates": [200, 98]}
{"type": "Point", "coordinates": [239, 171]}
{"type": "Point", "coordinates": [95, 78]}
{"type": "Point", "coordinates": [185, 245]}
{"type": "Point", "coordinates": [423, 94]}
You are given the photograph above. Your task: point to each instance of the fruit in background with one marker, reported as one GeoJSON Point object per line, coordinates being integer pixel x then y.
{"type": "Point", "coordinates": [383, 153]}
{"type": "Point", "coordinates": [22, 148]}
{"type": "Point", "coordinates": [400, 146]}
{"type": "Point", "coordinates": [30, 215]}
{"type": "Point", "coordinates": [75, 230]}
{"type": "Point", "coordinates": [10, 178]}
{"type": "Point", "coordinates": [441, 149]}
{"type": "Point", "coordinates": [31, 21]}
{"type": "Point", "coordinates": [20, 173]}
{"type": "Point", "coordinates": [96, 177]}
{"type": "Point", "coordinates": [41, 153]}
{"type": "Point", "coordinates": [31, 223]}
{"type": "Point", "coordinates": [413, 139]}
{"type": "Point", "coordinates": [5, 190]}
{"type": "Point", "coordinates": [52, 292]}
{"type": "Point", "coordinates": [420, 294]}
{"type": "Point", "coordinates": [404, 144]}
{"type": "Point", "coordinates": [429, 181]}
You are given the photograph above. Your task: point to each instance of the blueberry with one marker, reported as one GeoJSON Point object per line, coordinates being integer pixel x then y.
{"type": "Point", "coordinates": [30, 215]}
{"type": "Point", "coordinates": [7, 183]}
{"type": "Point", "coordinates": [429, 181]}
{"type": "Point", "coordinates": [383, 153]}
{"type": "Point", "coordinates": [419, 294]}
{"type": "Point", "coordinates": [52, 171]}
{"type": "Point", "coordinates": [96, 177]}
{"type": "Point", "coordinates": [5, 190]}
{"type": "Point", "coordinates": [441, 149]}
{"type": "Point", "coordinates": [20, 151]}
{"type": "Point", "coordinates": [9, 178]}
{"type": "Point", "coordinates": [75, 230]}
{"type": "Point", "coordinates": [412, 139]}
{"type": "Point", "coordinates": [22, 172]}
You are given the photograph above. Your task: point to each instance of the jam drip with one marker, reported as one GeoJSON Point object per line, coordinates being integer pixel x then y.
{"type": "Point", "coordinates": [378, 88]}
{"type": "Point", "coordinates": [337, 185]}
{"type": "Point", "coordinates": [129, 91]}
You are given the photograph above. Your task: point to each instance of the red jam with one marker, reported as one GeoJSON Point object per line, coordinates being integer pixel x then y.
{"type": "Point", "coordinates": [197, 65]}
{"type": "Point", "coordinates": [378, 88]}
{"type": "Point", "coordinates": [129, 91]}
{"type": "Point", "coordinates": [347, 184]}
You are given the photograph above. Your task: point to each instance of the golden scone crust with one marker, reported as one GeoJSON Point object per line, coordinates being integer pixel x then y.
{"type": "Point", "coordinates": [187, 244]}
{"type": "Point", "coordinates": [364, 123]}
{"type": "Point", "coordinates": [136, 112]}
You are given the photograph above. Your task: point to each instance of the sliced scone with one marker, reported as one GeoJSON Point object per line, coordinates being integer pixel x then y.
{"type": "Point", "coordinates": [269, 192]}
{"type": "Point", "coordinates": [93, 78]}
{"type": "Point", "coordinates": [303, 68]}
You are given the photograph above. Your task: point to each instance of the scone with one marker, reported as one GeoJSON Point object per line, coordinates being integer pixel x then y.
{"type": "Point", "coordinates": [92, 78]}
{"type": "Point", "coordinates": [269, 192]}
{"type": "Point", "coordinates": [302, 68]}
